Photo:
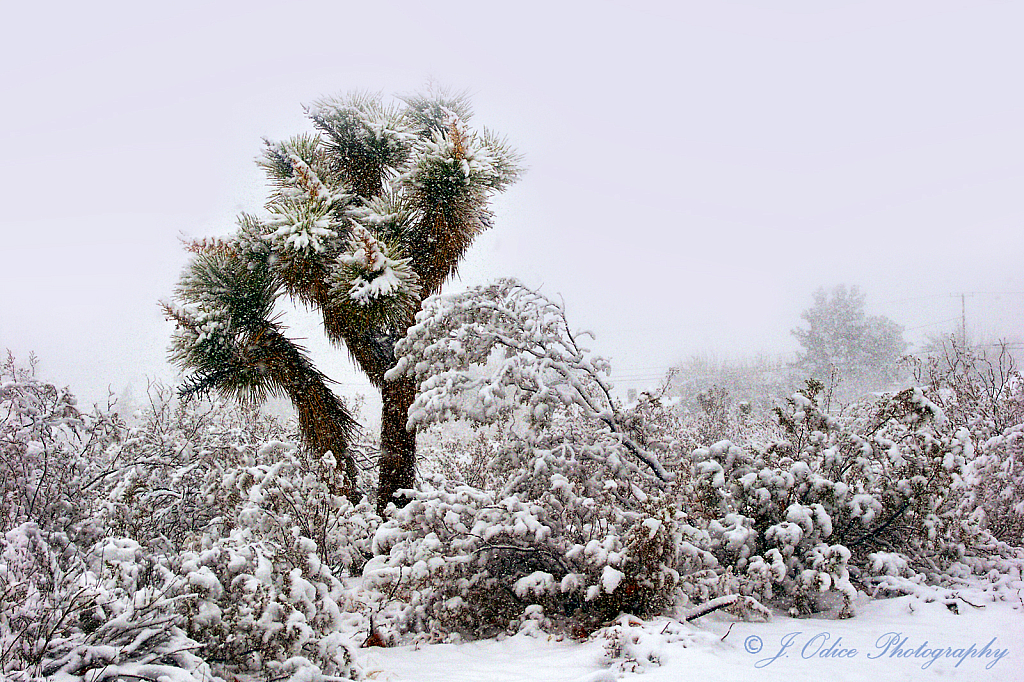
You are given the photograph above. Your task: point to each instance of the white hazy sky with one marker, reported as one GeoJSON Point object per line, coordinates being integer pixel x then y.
{"type": "Point", "coordinates": [696, 169]}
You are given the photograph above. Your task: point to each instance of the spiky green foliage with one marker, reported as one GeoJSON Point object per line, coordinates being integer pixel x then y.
{"type": "Point", "coordinates": [225, 308]}
{"type": "Point", "coordinates": [432, 111]}
{"type": "Point", "coordinates": [366, 216]}
{"type": "Point", "coordinates": [373, 284]}
{"type": "Point", "coordinates": [226, 335]}
{"type": "Point", "coordinates": [448, 184]}
{"type": "Point", "coordinates": [365, 140]}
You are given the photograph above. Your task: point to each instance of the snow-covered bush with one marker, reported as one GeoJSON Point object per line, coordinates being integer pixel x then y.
{"type": "Point", "coordinates": [204, 534]}
{"type": "Point", "coordinates": [839, 502]}
{"type": "Point", "coordinates": [574, 516]}
{"type": "Point", "coordinates": [996, 477]}
{"type": "Point", "coordinates": [981, 390]}
{"type": "Point", "coordinates": [983, 393]}
{"type": "Point", "coordinates": [106, 614]}
{"type": "Point", "coordinates": [253, 529]}
{"type": "Point", "coordinates": [476, 562]}
{"type": "Point", "coordinates": [65, 613]}
{"type": "Point", "coordinates": [51, 454]}
{"type": "Point", "coordinates": [571, 528]}
{"type": "Point", "coordinates": [492, 351]}
{"type": "Point", "coordinates": [629, 647]}
{"type": "Point", "coordinates": [753, 384]}
{"type": "Point", "coordinates": [461, 451]}
{"type": "Point", "coordinates": [206, 540]}
{"type": "Point", "coordinates": [683, 421]}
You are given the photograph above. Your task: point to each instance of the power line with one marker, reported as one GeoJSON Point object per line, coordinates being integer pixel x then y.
{"type": "Point", "coordinates": [908, 300]}
{"type": "Point", "coordinates": [958, 293]}
{"type": "Point", "coordinates": [931, 324]}
{"type": "Point", "coordinates": [989, 293]}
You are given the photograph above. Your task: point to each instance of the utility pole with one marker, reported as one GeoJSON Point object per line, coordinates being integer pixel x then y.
{"type": "Point", "coordinates": [963, 317]}
{"type": "Point", "coordinates": [963, 305]}
{"type": "Point", "coordinates": [963, 313]}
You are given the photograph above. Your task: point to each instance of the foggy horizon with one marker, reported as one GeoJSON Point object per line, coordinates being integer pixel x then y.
{"type": "Point", "coordinates": [694, 172]}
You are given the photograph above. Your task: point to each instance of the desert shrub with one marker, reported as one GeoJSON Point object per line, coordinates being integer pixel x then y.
{"type": "Point", "coordinates": [996, 490]}
{"type": "Point", "coordinates": [839, 503]}
{"type": "Point", "coordinates": [982, 393]}
{"type": "Point", "coordinates": [109, 613]}
{"type": "Point", "coordinates": [205, 540]}
{"type": "Point", "coordinates": [720, 417]}
{"type": "Point", "coordinates": [573, 530]}
{"type": "Point", "coordinates": [709, 414]}
{"type": "Point", "coordinates": [755, 382]}
{"type": "Point", "coordinates": [263, 594]}
{"type": "Point", "coordinates": [978, 388]}
{"type": "Point", "coordinates": [477, 562]}
{"type": "Point", "coordinates": [202, 535]}
{"type": "Point", "coordinates": [716, 417]}
{"type": "Point", "coordinates": [52, 453]}
{"type": "Point", "coordinates": [65, 611]}
{"type": "Point", "coordinates": [177, 478]}
{"type": "Point", "coordinates": [461, 451]}
{"type": "Point", "coordinates": [575, 517]}
{"type": "Point", "coordinates": [256, 531]}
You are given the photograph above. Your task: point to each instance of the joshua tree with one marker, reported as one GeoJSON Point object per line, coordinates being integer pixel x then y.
{"type": "Point", "coordinates": [367, 216]}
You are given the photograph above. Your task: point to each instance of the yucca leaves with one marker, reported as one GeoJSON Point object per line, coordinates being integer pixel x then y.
{"type": "Point", "coordinates": [364, 139]}
{"type": "Point", "coordinates": [366, 216]}
{"type": "Point", "coordinates": [374, 284]}
{"type": "Point", "coordinates": [450, 202]}
{"type": "Point", "coordinates": [432, 111]}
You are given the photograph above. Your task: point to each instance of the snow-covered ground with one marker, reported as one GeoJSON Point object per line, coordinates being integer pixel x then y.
{"type": "Point", "coordinates": [904, 638]}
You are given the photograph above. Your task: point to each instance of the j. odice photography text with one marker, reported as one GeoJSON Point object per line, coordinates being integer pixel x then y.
{"type": "Point", "coordinates": [822, 645]}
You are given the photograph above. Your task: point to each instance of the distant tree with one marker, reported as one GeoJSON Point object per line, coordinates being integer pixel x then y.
{"type": "Point", "coordinates": [842, 344]}
{"type": "Point", "coordinates": [367, 216]}
{"type": "Point", "coordinates": [760, 381]}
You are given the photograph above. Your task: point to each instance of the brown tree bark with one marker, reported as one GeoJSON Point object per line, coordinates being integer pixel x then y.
{"type": "Point", "coordinates": [397, 444]}
{"type": "Point", "coordinates": [324, 422]}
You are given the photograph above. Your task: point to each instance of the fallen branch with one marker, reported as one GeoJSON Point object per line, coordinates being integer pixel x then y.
{"type": "Point", "coordinates": [713, 605]}
{"type": "Point", "coordinates": [977, 606]}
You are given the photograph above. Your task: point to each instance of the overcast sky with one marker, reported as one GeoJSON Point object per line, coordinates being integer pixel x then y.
{"type": "Point", "coordinates": [696, 169]}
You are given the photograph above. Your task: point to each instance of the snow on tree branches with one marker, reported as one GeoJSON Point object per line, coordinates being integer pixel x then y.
{"type": "Point", "coordinates": [484, 352]}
